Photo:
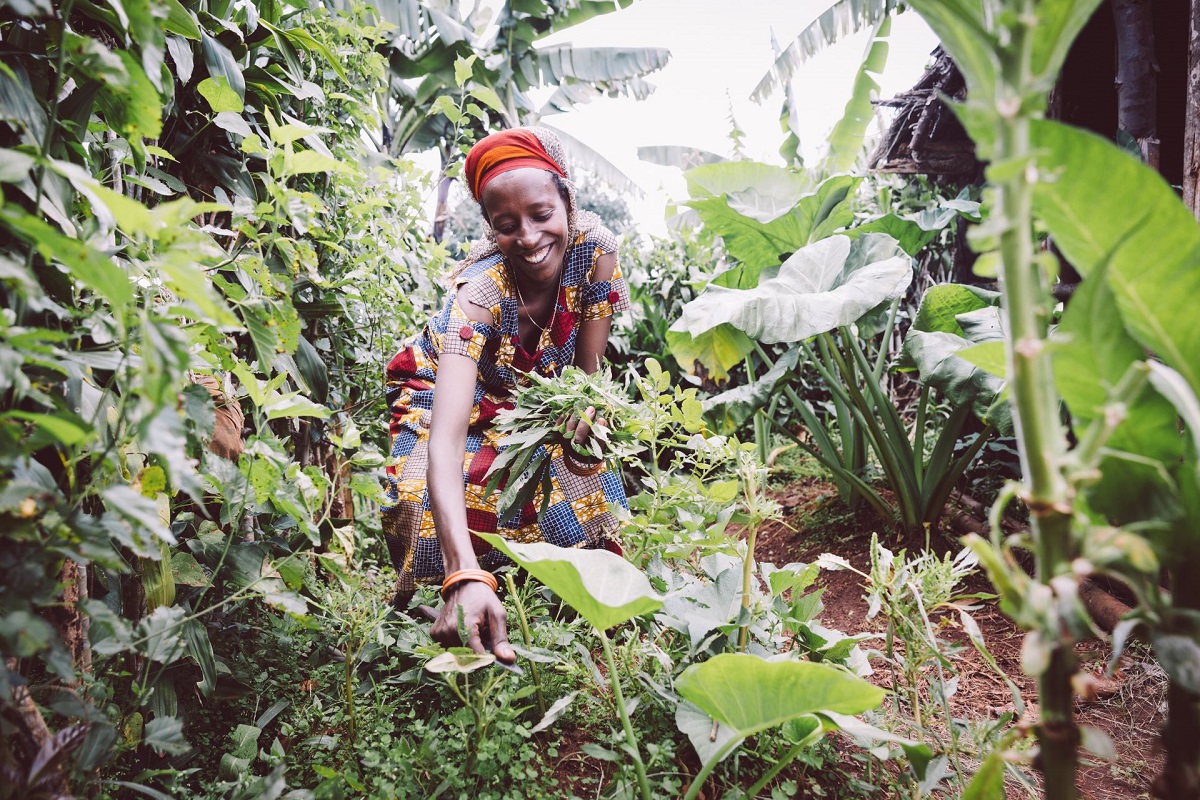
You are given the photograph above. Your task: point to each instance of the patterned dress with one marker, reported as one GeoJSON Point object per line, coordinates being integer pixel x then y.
{"type": "Point", "coordinates": [578, 514]}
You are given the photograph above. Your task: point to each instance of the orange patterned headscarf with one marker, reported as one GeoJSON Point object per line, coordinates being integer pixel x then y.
{"type": "Point", "coordinates": [503, 151]}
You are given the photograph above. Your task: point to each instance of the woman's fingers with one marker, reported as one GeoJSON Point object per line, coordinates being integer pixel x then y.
{"type": "Point", "coordinates": [483, 617]}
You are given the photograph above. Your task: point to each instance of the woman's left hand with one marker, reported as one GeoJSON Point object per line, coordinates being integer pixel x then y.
{"type": "Point", "coordinates": [579, 428]}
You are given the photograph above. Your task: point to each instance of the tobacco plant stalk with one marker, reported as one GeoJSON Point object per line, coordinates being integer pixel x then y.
{"type": "Point", "coordinates": [1046, 491]}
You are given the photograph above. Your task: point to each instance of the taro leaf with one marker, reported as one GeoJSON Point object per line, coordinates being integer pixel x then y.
{"type": "Point", "coordinates": [826, 285]}
{"type": "Point", "coordinates": [1151, 249]}
{"type": "Point", "coordinates": [741, 220]}
{"type": "Point", "coordinates": [1171, 385]}
{"type": "Point", "coordinates": [603, 587]}
{"type": "Point", "coordinates": [698, 727]}
{"type": "Point", "coordinates": [942, 304]}
{"type": "Point", "coordinates": [458, 660]}
{"type": "Point", "coordinates": [165, 734]}
{"type": "Point", "coordinates": [244, 748]}
{"type": "Point", "coordinates": [936, 356]}
{"type": "Point", "coordinates": [750, 694]}
{"type": "Point", "coordinates": [739, 404]}
{"type": "Point", "coordinates": [914, 231]}
{"type": "Point", "coordinates": [715, 351]}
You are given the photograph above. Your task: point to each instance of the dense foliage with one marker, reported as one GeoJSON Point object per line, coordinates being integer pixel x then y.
{"type": "Point", "coordinates": [213, 238]}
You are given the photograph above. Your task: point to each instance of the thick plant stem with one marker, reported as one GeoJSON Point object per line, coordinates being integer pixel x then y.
{"type": "Point", "coordinates": [527, 637]}
{"type": "Point", "coordinates": [747, 576]}
{"type": "Point", "coordinates": [614, 678]}
{"type": "Point", "coordinates": [1035, 403]}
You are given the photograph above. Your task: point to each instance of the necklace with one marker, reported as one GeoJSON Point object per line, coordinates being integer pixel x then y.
{"type": "Point", "coordinates": [554, 313]}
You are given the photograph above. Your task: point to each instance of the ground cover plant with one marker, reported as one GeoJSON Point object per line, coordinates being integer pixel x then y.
{"type": "Point", "coordinates": [212, 240]}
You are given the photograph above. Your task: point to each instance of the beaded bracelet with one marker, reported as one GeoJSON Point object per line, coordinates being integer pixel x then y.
{"type": "Point", "coordinates": [481, 575]}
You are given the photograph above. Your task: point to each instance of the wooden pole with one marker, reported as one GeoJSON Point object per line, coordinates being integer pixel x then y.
{"type": "Point", "coordinates": [1191, 129]}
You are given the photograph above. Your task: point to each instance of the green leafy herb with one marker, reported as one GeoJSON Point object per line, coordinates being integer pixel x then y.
{"type": "Point", "coordinates": [536, 426]}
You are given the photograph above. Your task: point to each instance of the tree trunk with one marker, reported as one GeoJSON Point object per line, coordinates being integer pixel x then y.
{"type": "Point", "coordinates": [1191, 125]}
{"type": "Point", "coordinates": [73, 624]}
{"type": "Point", "coordinates": [1137, 87]}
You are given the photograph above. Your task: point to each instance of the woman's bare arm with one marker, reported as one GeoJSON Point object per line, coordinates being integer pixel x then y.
{"type": "Point", "coordinates": [453, 399]}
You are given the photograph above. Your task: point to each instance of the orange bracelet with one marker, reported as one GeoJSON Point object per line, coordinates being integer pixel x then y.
{"type": "Point", "coordinates": [481, 575]}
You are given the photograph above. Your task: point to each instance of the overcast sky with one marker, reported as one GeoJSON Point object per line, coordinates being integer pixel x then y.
{"type": "Point", "coordinates": [719, 51]}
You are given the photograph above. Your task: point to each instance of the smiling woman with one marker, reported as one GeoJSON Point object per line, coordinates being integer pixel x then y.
{"type": "Point", "coordinates": [535, 296]}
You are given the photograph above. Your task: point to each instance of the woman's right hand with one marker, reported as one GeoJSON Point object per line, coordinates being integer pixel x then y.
{"type": "Point", "coordinates": [483, 617]}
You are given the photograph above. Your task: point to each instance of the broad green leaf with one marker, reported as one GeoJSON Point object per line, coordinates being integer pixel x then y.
{"type": "Point", "coordinates": [1151, 248]}
{"type": "Point", "coordinates": [87, 265]}
{"type": "Point", "coordinates": [988, 781]}
{"type": "Point", "coordinates": [187, 571]}
{"type": "Point", "coordinates": [736, 405]}
{"type": "Point", "coordinates": [59, 427]}
{"type": "Point", "coordinates": [988, 356]}
{"type": "Point", "coordinates": [936, 356]}
{"type": "Point", "coordinates": [308, 161]}
{"type": "Point", "coordinates": [713, 352]}
{"type": "Point", "coordinates": [1092, 352]}
{"type": "Point", "coordinates": [603, 587]}
{"type": "Point", "coordinates": [222, 64]}
{"type": "Point", "coordinates": [749, 694]}
{"type": "Point", "coordinates": [463, 67]}
{"type": "Point", "coordinates": [826, 285]}
{"type": "Point", "coordinates": [846, 139]}
{"type": "Point", "coordinates": [180, 21]}
{"type": "Point", "coordinates": [487, 95]}
{"type": "Point", "coordinates": [944, 302]}
{"type": "Point", "coordinates": [698, 727]}
{"type": "Point", "coordinates": [165, 734]}
{"type": "Point", "coordinates": [134, 109]}
{"type": "Point", "coordinates": [763, 224]}
{"type": "Point", "coordinates": [1170, 385]}
{"type": "Point", "coordinates": [220, 96]}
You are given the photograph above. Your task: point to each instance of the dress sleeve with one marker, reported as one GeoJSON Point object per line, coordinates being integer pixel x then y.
{"type": "Point", "coordinates": [602, 299]}
{"type": "Point", "coordinates": [462, 335]}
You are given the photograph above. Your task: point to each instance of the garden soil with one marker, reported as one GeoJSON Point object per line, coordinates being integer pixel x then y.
{"type": "Point", "coordinates": [1128, 706]}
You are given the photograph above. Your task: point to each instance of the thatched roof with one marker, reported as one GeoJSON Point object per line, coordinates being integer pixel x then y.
{"type": "Point", "coordinates": [925, 136]}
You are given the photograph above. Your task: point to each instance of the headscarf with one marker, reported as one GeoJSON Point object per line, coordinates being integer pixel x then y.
{"type": "Point", "coordinates": [503, 151]}
{"type": "Point", "coordinates": [540, 148]}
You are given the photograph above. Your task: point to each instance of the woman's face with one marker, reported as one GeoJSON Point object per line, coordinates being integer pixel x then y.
{"type": "Point", "coordinates": [529, 217]}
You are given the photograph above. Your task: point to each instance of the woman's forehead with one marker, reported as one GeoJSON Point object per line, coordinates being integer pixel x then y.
{"type": "Point", "coordinates": [520, 187]}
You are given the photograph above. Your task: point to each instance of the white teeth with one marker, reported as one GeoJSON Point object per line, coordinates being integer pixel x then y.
{"type": "Point", "coordinates": [538, 256]}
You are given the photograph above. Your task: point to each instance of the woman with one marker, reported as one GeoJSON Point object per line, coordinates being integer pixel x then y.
{"type": "Point", "coordinates": [537, 294]}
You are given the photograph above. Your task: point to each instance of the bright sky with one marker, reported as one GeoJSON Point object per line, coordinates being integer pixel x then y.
{"type": "Point", "coordinates": [719, 51]}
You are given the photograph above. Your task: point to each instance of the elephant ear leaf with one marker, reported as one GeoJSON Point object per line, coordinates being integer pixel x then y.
{"type": "Point", "coordinates": [603, 587]}
{"type": "Point", "coordinates": [825, 285]}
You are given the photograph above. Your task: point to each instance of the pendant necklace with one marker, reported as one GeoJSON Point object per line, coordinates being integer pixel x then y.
{"type": "Point", "coordinates": [554, 313]}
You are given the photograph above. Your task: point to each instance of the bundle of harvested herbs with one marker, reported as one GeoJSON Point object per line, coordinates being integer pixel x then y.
{"type": "Point", "coordinates": [536, 426]}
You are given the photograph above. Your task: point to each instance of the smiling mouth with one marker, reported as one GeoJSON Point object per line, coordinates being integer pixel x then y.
{"type": "Point", "coordinates": [538, 256]}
